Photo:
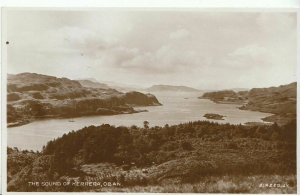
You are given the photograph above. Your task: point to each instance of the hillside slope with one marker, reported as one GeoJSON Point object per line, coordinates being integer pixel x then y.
{"type": "Point", "coordinates": [93, 84]}
{"type": "Point", "coordinates": [280, 101]}
{"type": "Point", "coordinates": [168, 158]}
{"type": "Point", "coordinates": [31, 96]}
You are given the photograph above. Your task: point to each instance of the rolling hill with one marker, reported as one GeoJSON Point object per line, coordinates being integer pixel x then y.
{"type": "Point", "coordinates": [280, 101]}
{"type": "Point", "coordinates": [32, 96]}
{"type": "Point", "coordinates": [93, 84]}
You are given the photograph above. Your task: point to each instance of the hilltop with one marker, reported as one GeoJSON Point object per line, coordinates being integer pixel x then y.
{"type": "Point", "coordinates": [93, 84]}
{"type": "Point", "coordinates": [33, 96]}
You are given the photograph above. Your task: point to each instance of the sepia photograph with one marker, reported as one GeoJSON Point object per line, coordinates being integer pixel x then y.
{"type": "Point", "coordinates": [168, 100]}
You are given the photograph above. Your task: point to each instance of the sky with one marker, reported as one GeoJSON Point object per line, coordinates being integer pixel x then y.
{"type": "Point", "coordinates": [204, 50]}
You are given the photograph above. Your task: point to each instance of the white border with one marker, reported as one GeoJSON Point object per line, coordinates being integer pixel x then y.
{"type": "Point", "coordinates": [3, 103]}
{"type": "Point", "coordinates": [1, 99]}
{"type": "Point", "coordinates": [155, 3]}
{"type": "Point", "coordinates": [208, 5]}
{"type": "Point", "coordinates": [298, 98]}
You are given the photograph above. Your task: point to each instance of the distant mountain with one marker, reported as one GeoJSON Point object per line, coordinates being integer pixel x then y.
{"type": "Point", "coordinates": [122, 87]}
{"type": "Point", "coordinates": [163, 88]}
{"type": "Point", "coordinates": [239, 89]}
{"type": "Point", "coordinates": [31, 96]}
{"type": "Point", "coordinates": [280, 101]}
{"type": "Point", "coordinates": [93, 84]}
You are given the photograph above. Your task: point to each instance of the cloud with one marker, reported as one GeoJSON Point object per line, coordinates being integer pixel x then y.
{"type": "Point", "coordinates": [278, 24]}
{"type": "Point", "coordinates": [249, 50]}
{"type": "Point", "coordinates": [246, 57]}
{"type": "Point", "coordinates": [200, 49]}
{"type": "Point", "coordinates": [167, 59]}
{"type": "Point", "coordinates": [179, 34]}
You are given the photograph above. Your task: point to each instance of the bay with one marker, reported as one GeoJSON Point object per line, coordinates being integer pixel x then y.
{"type": "Point", "coordinates": [178, 108]}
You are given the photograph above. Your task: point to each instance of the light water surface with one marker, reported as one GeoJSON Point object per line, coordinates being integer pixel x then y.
{"type": "Point", "coordinates": [176, 109]}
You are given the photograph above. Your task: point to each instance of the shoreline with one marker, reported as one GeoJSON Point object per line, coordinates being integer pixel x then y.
{"type": "Point", "coordinates": [27, 121]}
{"type": "Point", "coordinates": [280, 119]}
{"type": "Point", "coordinates": [162, 126]}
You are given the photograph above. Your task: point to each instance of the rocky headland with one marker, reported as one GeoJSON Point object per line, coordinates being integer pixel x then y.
{"type": "Point", "coordinates": [279, 101]}
{"type": "Point", "coordinates": [32, 96]}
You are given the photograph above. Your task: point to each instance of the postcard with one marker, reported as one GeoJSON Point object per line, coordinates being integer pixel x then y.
{"type": "Point", "coordinates": [169, 100]}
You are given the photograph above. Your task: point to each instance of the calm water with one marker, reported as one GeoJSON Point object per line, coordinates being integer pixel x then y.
{"type": "Point", "coordinates": [176, 109]}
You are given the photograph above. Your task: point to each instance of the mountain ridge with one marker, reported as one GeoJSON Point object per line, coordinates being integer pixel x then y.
{"type": "Point", "coordinates": [180, 88]}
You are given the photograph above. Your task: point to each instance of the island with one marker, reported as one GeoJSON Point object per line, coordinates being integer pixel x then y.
{"type": "Point", "coordinates": [172, 88]}
{"type": "Point", "coordinates": [225, 96]}
{"type": "Point", "coordinates": [214, 116]}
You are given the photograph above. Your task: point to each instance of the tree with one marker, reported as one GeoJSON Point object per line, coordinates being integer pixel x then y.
{"type": "Point", "coordinates": [186, 146]}
{"type": "Point", "coordinates": [146, 124]}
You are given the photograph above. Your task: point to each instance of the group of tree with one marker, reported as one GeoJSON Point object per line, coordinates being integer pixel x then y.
{"type": "Point", "coordinates": [141, 146]}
